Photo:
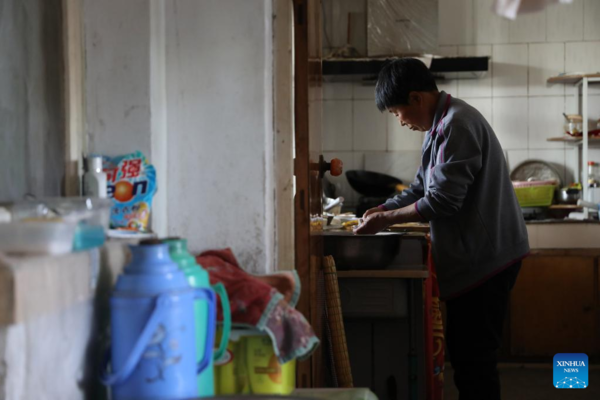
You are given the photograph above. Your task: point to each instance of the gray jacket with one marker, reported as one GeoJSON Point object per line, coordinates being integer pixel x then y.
{"type": "Point", "coordinates": [463, 189]}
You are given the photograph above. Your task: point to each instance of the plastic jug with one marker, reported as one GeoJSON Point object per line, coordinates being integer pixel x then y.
{"type": "Point", "coordinates": [198, 278]}
{"type": "Point", "coordinates": [153, 333]}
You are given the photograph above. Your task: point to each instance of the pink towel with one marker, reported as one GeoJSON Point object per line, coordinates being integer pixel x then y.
{"type": "Point", "coordinates": [255, 303]}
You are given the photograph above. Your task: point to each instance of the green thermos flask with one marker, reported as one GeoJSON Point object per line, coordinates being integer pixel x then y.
{"type": "Point", "coordinates": [198, 278]}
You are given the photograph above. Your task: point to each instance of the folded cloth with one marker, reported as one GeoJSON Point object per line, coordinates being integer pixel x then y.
{"type": "Point", "coordinates": [286, 283]}
{"type": "Point", "coordinates": [256, 304]}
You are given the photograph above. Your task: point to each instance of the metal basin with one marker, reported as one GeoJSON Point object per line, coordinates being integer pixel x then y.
{"type": "Point", "coordinates": [361, 251]}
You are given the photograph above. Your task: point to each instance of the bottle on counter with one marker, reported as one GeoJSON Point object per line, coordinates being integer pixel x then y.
{"type": "Point", "coordinates": [94, 180]}
{"type": "Point", "coordinates": [198, 278]}
{"type": "Point", "coordinates": [592, 174]}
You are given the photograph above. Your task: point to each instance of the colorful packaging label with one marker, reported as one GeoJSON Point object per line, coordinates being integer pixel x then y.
{"type": "Point", "coordinates": [131, 183]}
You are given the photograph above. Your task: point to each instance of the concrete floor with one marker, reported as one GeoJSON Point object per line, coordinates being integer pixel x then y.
{"type": "Point", "coordinates": [531, 382]}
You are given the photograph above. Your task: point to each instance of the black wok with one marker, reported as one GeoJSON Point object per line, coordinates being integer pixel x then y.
{"type": "Point", "coordinates": [372, 184]}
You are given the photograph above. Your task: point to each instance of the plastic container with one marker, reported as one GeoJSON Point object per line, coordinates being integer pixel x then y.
{"type": "Point", "coordinates": [88, 237]}
{"type": "Point", "coordinates": [89, 217]}
{"type": "Point", "coordinates": [37, 237]}
{"type": "Point", "coordinates": [91, 210]}
{"type": "Point", "coordinates": [521, 184]}
{"type": "Point", "coordinates": [198, 278]}
{"type": "Point", "coordinates": [250, 366]}
{"type": "Point", "coordinates": [91, 214]}
{"type": "Point", "coordinates": [535, 196]}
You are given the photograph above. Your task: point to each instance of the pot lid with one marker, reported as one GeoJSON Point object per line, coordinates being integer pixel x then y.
{"type": "Point", "coordinates": [536, 170]}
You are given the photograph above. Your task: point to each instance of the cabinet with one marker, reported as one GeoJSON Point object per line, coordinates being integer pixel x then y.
{"type": "Point", "coordinates": [554, 306]}
{"type": "Point", "coordinates": [384, 320]}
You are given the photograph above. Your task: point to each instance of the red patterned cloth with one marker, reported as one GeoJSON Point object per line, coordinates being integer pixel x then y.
{"type": "Point", "coordinates": [434, 334]}
{"type": "Point", "coordinates": [256, 304]}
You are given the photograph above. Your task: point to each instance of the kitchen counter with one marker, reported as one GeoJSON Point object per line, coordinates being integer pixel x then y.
{"type": "Point", "coordinates": [420, 272]}
{"type": "Point", "coordinates": [543, 234]}
{"type": "Point", "coordinates": [562, 221]}
{"type": "Point", "coordinates": [563, 234]}
{"type": "Point", "coordinates": [381, 279]}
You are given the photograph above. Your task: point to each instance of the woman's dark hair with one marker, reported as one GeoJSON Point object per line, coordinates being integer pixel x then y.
{"type": "Point", "coordinates": [400, 77]}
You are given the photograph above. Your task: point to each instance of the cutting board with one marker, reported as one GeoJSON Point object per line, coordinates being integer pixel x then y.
{"type": "Point", "coordinates": [410, 227]}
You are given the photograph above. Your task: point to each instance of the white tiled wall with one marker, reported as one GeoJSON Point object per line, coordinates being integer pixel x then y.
{"type": "Point", "coordinates": [591, 28]}
{"type": "Point", "coordinates": [509, 75]}
{"type": "Point", "coordinates": [514, 97]}
{"type": "Point", "coordinates": [363, 138]}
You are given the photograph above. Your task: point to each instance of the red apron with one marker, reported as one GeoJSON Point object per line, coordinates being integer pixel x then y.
{"type": "Point", "coordinates": [434, 334]}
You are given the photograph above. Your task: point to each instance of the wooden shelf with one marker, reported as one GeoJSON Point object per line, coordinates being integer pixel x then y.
{"type": "Point", "coordinates": [572, 79]}
{"type": "Point", "coordinates": [565, 207]}
{"type": "Point", "coordinates": [582, 81]}
{"type": "Point", "coordinates": [573, 140]}
{"type": "Point", "coordinates": [415, 273]}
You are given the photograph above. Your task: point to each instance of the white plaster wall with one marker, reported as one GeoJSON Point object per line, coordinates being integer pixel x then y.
{"type": "Point", "coordinates": [53, 328]}
{"type": "Point", "coordinates": [189, 83]}
{"type": "Point", "coordinates": [31, 112]}
{"type": "Point", "coordinates": [30, 349]}
{"type": "Point", "coordinates": [117, 77]}
{"type": "Point", "coordinates": [219, 101]}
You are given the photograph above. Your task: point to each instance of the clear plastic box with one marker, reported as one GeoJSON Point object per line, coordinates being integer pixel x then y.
{"type": "Point", "coordinates": [55, 225]}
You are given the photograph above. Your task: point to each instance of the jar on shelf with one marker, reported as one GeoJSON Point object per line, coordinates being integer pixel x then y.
{"type": "Point", "coordinates": [593, 174]}
{"type": "Point", "coordinates": [574, 125]}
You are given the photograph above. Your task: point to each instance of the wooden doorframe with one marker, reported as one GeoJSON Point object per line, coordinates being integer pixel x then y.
{"type": "Point", "coordinates": [74, 111]}
{"type": "Point", "coordinates": [301, 172]}
{"type": "Point", "coordinates": [283, 131]}
{"type": "Point", "coordinates": [308, 248]}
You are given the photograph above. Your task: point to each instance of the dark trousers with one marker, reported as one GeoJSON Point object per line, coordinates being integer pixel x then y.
{"type": "Point", "coordinates": [474, 335]}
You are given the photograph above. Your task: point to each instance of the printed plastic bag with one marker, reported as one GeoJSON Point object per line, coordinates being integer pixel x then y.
{"type": "Point", "coordinates": [131, 183]}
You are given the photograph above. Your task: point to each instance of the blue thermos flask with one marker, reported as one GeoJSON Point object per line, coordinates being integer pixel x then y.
{"type": "Point", "coordinates": [153, 350]}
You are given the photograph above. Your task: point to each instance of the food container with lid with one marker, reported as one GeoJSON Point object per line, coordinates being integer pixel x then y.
{"type": "Point", "coordinates": [37, 237]}
{"type": "Point", "coordinates": [573, 125]}
{"type": "Point", "coordinates": [54, 225]}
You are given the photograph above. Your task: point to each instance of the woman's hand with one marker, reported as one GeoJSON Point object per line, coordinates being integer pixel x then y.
{"type": "Point", "coordinates": [371, 211]}
{"type": "Point", "coordinates": [374, 223]}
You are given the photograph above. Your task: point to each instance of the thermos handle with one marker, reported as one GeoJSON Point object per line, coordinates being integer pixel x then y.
{"type": "Point", "coordinates": [220, 290]}
{"type": "Point", "coordinates": [162, 302]}
{"type": "Point", "coordinates": [211, 326]}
